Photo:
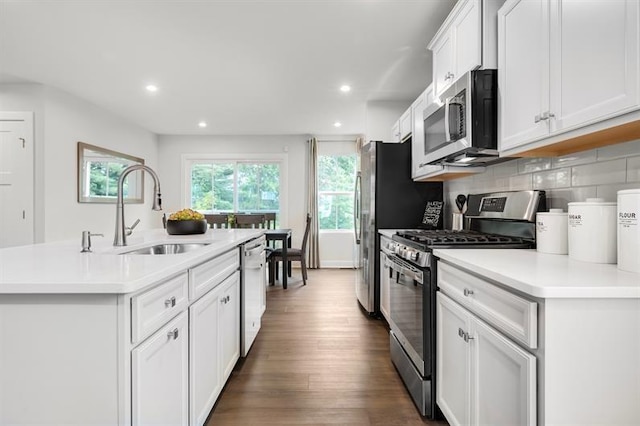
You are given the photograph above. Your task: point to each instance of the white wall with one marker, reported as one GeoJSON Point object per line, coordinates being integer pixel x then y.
{"type": "Point", "coordinates": [380, 117]}
{"type": "Point", "coordinates": [172, 148]}
{"type": "Point", "coordinates": [62, 120]}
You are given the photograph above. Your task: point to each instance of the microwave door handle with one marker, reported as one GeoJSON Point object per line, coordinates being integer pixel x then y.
{"type": "Point", "coordinates": [447, 133]}
{"type": "Point", "coordinates": [457, 117]}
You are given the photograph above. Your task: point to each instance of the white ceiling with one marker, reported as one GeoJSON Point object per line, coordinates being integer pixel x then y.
{"type": "Point", "coordinates": [243, 66]}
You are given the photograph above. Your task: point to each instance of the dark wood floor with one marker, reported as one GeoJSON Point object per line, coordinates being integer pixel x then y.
{"type": "Point", "coordinates": [318, 360]}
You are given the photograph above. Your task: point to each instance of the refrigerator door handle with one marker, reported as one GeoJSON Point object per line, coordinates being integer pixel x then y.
{"type": "Point", "coordinates": [356, 207]}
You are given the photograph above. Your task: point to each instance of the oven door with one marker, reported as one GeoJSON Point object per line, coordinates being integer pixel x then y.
{"type": "Point", "coordinates": [406, 299]}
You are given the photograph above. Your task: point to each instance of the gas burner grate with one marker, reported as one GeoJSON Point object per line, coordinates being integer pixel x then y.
{"type": "Point", "coordinates": [449, 237]}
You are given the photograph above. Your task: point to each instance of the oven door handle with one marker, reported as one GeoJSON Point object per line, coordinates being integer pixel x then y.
{"type": "Point", "coordinates": [405, 269]}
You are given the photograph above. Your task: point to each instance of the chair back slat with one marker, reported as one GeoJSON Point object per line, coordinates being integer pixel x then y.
{"type": "Point", "coordinates": [217, 220]}
{"type": "Point", "coordinates": [306, 235]}
{"type": "Point", "coordinates": [249, 221]}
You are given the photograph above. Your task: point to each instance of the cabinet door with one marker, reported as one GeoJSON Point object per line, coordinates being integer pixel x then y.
{"type": "Point", "coordinates": [395, 132]}
{"type": "Point", "coordinates": [204, 360]}
{"type": "Point", "coordinates": [384, 286]}
{"type": "Point", "coordinates": [523, 76]}
{"type": "Point", "coordinates": [452, 361]}
{"type": "Point", "coordinates": [594, 60]}
{"type": "Point", "coordinates": [417, 136]}
{"type": "Point", "coordinates": [468, 39]}
{"type": "Point", "coordinates": [160, 376]}
{"type": "Point", "coordinates": [443, 63]}
{"type": "Point", "coordinates": [503, 380]}
{"type": "Point", "coordinates": [229, 323]}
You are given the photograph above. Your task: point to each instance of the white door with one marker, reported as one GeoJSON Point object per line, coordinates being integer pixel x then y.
{"type": "Point", "coordinates": [16, 179]}
{"type": "Point", "coordinates": [452, 361]}
{"type": "Point", "coordinates": [467, 39]}
{"type": "Point", "coordinates": [594, 60]}
{"type": "Point", "coordinates": [523, 77]}
{"type": "Point", "coordinates": [443, 63]}
{"type": "Point", "coordinates": [229, 323]}
{"type": "Point", "coordinates": [204, 356]}
{"type": "Point", "coordinates": [160, 376]}
{"type": "Point", "coordinates": [503, 380]}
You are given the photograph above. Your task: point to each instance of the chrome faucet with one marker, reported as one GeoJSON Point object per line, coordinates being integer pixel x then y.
{"type": "Point", "coordinates": [122, 231]}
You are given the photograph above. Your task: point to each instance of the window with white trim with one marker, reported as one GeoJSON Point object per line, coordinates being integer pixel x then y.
{"type": "Point", "coordinates": [228, 185]}
{"type": "Point", "coordinates": [336, 177]}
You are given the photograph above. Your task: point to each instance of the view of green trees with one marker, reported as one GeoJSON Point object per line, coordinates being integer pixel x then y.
{"type": "Point", "coordinates": [336, 178]}
{"type": "Point", "coordinates": [103, 179]}
{"type": "Point", "coordinates": [258, 187]}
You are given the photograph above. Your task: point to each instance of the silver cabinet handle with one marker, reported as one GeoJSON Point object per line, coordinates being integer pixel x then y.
{"type": "Point", "coordinates": [173, 334]}
{"type": "Point", "coordinates": [466, 336]}
{"type": "Point", "coordinates": [223, 300]}
{"type": "Point", "coordinates": [537, 118]}
{"type": "Point", "coordinates": [467, 292]}
{"type": "Point", "coordinates": [228, 299]}
{"type": "Point", "coordinates": [170, 303]}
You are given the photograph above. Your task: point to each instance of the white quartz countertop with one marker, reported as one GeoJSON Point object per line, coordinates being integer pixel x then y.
{"type": "Point", "coordinates": [60, 267]}
{"type": "Point", "coordinates": [546, 275]}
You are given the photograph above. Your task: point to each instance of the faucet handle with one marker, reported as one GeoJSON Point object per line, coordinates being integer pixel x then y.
{"type": "Point", "coordinates": [129, 229]}
{"type": "Point", "coordinates": [86, 241]}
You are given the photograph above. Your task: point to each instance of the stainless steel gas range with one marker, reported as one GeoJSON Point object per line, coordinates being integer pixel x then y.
{"type": "Point", "coordinates": [503, 220]}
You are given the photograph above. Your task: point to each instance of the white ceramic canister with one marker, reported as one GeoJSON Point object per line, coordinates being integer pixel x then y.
{"type": "Point", "coordinates": [551, 232]}
{"type": "Point", "coordinates": [592, 231]}
{"type": "Point", "coordinates": [629, 230]}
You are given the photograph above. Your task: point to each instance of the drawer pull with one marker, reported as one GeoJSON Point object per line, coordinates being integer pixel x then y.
{"type": "Point", "coordinates": [173, 334]}
{"type": "Point", "coordinates": [467, 292]}
{"type": "Point", "coordinates": [170, 303]}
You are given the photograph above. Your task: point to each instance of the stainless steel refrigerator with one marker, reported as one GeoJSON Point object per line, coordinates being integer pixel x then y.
{"type": "Point", "coordinates": [386, 198]}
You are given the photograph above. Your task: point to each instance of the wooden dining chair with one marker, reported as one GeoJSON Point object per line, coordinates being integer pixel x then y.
{"type": "Point", "coordinates": [248, 221]}
{"type": "Point", "coordinates": [217, 220]}
{"type": "Point", "coordinates": [270, 220]}
{"type": "Point", "coordinates": [293, 254]}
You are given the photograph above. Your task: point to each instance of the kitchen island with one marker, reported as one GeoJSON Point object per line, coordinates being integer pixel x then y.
{"type": "Point", "coordinates": [537, 339]}
{"type": "Point", "coordinates": [112, 338]}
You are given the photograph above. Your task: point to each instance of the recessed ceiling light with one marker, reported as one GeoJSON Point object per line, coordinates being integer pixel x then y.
{"type": "Point", "coordinates": [151, 88]}
{"type": "Point", "coordinates": [337, 124]}
{"type": "Point", "coordinates": [202, 124]}
{"type": "Point", "coordinates": [345, 88]}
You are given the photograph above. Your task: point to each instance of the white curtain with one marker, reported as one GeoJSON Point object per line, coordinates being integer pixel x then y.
{"type": "Point", "coordinates": [312, 206]}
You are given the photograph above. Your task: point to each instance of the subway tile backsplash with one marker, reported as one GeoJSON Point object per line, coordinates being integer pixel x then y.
{"type": "Point", "coordinates": [599, 173]}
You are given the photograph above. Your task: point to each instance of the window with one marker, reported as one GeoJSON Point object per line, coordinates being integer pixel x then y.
{"type": "Point", "coordinates": [234, 185]}
{"type": "Point", "coordinates": [336, 177]}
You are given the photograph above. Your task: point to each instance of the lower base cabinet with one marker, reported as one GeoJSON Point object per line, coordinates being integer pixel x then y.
{"type": "Point", "coordinates": [483, 377]}
{"type": "Point", "coordinates": [214, 345]}
{"type": "Point", "coordinates": [159, 380]}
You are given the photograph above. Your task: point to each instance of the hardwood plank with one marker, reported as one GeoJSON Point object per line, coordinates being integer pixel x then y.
{"type": "Point", "coordinates": [318, 360]}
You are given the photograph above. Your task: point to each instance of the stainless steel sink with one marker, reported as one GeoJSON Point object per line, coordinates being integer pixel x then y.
{"type": "Point", "coordinates": [167, 249]}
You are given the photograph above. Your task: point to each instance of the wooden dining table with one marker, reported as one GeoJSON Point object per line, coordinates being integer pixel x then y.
{"type": "Point", "coordinates": [283, 235]}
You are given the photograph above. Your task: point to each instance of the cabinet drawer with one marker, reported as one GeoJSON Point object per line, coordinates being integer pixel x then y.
{"type": "Point", "coordinates": [153, 308]}
{"type": "Point", "coordinates": [204, 277]}
{"type": "Point", "coordinates": [509, 313]}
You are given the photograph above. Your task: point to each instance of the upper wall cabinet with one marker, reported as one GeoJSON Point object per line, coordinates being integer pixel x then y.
{"type": "Point", "coordinates": [564, 65]}
{"type": "Point", "coordinates": [466, 41]}
{"type": "Point", "coordinates": [401, 129]}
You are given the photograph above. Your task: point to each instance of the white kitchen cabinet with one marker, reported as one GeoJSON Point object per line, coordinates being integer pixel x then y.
{"type": "Point", "coordinates": [205, 375]}
{"type": "Point", "coordinates": [405, 125]}
{"type": "Point", "coordinates": [467, 40]}
{"type": "Point", "coordinates": [483, 377]}
{"type": "Point", "coordinates": [453, 362]}
{"type": "Point", "coordinates": [417, 139]}
{"type": "Point", "coordinates": [229, 322]}
{"type": "Point", "coordinates": [160, 376]}
{"type": "Point", "coordinates": [385, 284]}
{"type": "Point", "coordinates": [557, 74]}
{"type": "Point", "coordinates": [395, 132]}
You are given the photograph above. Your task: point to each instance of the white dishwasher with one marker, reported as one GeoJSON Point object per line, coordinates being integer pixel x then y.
{"type": "Point", "coordinates": [253, 291]}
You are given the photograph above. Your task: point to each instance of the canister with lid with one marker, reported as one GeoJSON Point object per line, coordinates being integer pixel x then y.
{"type": "Point", "coordinates": [551, 232]}
{"type": "Point", "coordinates": [592, 231]}
{"type": "Point", "coordinates": [629, 230]}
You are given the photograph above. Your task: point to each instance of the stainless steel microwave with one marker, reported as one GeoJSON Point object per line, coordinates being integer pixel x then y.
{"type": "Point", "coordinates": [461, 126]}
